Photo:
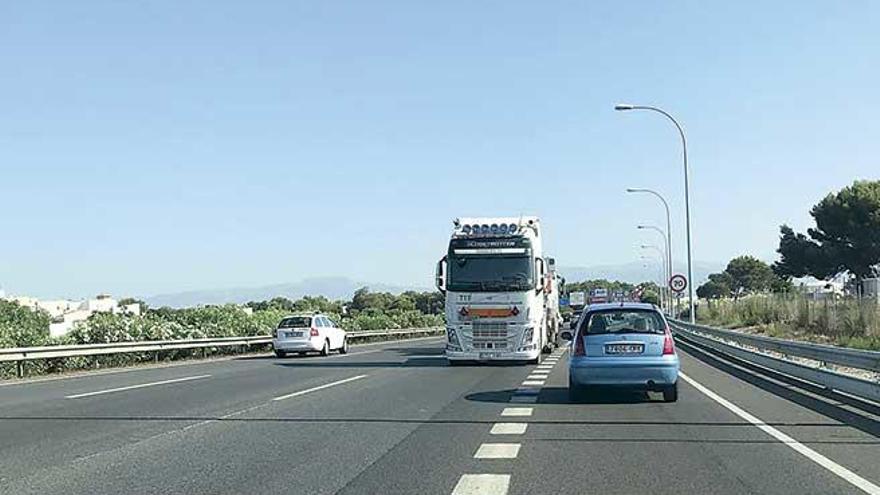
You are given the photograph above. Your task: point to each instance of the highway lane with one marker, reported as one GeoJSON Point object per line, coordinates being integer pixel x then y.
{"type": "Point", "coordinates": [410, 424]}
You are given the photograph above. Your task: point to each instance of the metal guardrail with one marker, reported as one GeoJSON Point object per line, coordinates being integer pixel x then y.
{"type": "Point", "coordinates": [20, 355]}
{"type": "Point", "coordinates": [843, 356]}
{"type": "Point", "coordinates": [725, 341]}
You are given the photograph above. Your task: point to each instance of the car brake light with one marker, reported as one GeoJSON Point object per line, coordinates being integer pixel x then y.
{"type": "Point", "coordinates": [313, 332]}
{"type": "Point", "coordinates": [579, 346]}
{"type": "Point", "coordinates": [668, 344]}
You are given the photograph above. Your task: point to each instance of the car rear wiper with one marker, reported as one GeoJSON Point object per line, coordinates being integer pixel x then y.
{"type": "Point", "coordinates": [632, 330]}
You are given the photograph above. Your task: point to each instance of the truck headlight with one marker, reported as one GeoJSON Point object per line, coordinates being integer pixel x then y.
{"type": "Point", "coordinates": [528, 334]}
{"type": "Point", "coordinates": [452, 339]}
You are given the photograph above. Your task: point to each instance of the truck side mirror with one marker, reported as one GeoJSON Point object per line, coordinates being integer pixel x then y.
{"type": "Point", "coordinates": [440, 275]}
{"type": "Point", "coordinates": [539, 274]}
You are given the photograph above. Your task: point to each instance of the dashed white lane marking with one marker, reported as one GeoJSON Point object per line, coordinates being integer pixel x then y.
{"type": "Point", "coordinates": [497, 451]}
{"type": "Point", "coordinates": [533, 382]}
{"type": "Point", "coordinates": [535, 376]}
{"type": "Point", "coordinates": [849, 476]}
{"type": "Point", "coordinates": [320, 387]}
{"type": "Point", "coordinates": [482, 484]}
{"type": "Point", "coordinates": [544, 367]}
{"type": "Point", "coordinates": [527, 391]}
{"type": "Point", "coordinates": [508, 428]}
{"type": "Point", "coordinates": [517, 411]}
{"type": "Point", "coordinates": [133, 387]}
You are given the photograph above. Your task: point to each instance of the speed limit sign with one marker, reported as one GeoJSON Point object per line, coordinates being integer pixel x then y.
{"type": "Point", "coordinates": [678, 283]}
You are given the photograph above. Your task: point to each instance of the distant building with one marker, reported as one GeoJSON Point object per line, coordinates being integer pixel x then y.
{"type": "Point", "coordinates": [820, 290]}
{"type": "Point", "coordinates": [871, 288]}
{"type": "Point", "coordinates": [65, 314]}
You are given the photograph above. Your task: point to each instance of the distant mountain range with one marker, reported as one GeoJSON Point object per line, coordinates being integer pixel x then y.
{"type": "Point", "coordinates": [343, 288]}
{"type": "Point", "coordinates": [331, 287]}
{"type": "Point", "coordinates": [636, 272]}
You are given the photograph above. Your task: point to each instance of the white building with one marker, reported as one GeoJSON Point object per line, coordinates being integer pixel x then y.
{"type": "Point", "coordinates": [65, 314]}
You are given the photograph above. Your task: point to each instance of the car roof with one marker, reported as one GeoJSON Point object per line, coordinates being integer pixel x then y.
{"type": "Point", "coordinates": [303, 315]}
{"type": "Point", "coordinates": [617, 305]}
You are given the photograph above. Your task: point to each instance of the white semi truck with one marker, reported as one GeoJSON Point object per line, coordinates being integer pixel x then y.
{"type": "Point", "coordinates": [501, 292]}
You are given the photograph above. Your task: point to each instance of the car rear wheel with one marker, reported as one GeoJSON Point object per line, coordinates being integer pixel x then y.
{"type": "Point", "coordinates": [325, 351]}
{"type": "Point", "coordinates": [670, 393]}
{"type": "Point", "coordinates": [344, 348]}
{"type": "Point", "coordinates": [280, 354]}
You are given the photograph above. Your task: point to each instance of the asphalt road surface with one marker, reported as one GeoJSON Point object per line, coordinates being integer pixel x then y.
{"type": "Point", "coordinates": [394, 418]}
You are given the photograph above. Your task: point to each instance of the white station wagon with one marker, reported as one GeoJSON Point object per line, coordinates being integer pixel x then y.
{"type": "Point", "coordinates": [308, 333]}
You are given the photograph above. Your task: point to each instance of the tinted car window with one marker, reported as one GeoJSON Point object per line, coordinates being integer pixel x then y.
{"type": "Point", "coordinates": [296, 322]}
{"type": "Point", "coordinates": [623, 320]}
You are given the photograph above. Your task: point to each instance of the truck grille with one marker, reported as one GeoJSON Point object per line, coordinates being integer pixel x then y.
{"type": "Point", "coordinates": [488, 335]}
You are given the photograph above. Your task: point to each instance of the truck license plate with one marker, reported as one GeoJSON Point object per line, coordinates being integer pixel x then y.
{"type": "Point", "coordinates": [489, 355]}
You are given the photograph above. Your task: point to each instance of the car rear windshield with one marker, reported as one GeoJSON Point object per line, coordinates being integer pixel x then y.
{"type": "Point", "coordinates": [623, 320]}
{"type": "Point", "coordinates": [296, 322]}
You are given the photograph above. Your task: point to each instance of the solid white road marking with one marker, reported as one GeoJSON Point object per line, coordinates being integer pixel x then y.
{"type": "Point", "coordinates": [320, 387]}
{"type": "Point", "coordinates": [524, 399]}
{"type": "Point", "coordinates": [533, 383]}
{"type": "Point", "coordinates": [849, 476]}
{"type": "Point", "coordinates": [497, 451]}
{"type": "Point", "coordinates": [482, 484]}
{"type": "Point", "coordinates": [133, 387]}
{"type": "Point", "coordinates": [508, 428]}
{"type": "Point", "coordinates": [517, 411]}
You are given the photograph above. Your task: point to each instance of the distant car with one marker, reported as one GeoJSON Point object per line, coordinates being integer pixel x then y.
{"type": "Point", "coordinates": [623, 345]}
{"type": "Point", "coordinates": [575, 317]}
{"type": "Point", "coordinates": [308, 333]}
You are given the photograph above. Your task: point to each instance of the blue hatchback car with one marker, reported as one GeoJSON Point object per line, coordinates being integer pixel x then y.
{"type": "Point", "coordinates": [623, 345]}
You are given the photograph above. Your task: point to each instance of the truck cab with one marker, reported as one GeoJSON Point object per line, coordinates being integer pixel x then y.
{"type": "Point", "coordinates": [497, 285]}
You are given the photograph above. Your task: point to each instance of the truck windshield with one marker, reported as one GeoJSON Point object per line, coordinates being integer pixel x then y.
{"type": "Point", "coordinates": [481, 273]}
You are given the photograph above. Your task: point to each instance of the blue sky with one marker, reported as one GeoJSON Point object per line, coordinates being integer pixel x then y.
{"type": "Point", "coordinates": [151, 146]}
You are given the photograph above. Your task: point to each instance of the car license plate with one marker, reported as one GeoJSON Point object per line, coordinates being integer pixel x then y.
{"type": "Point", "coordinates": [624, 348]}
{"type": "Point", "coordinates": [489, 355]}
{"type": "Point", "coordinates": [292, 335]}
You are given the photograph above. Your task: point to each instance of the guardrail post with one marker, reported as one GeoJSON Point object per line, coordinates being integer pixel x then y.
{"type": "Point", "coordinates": [19, 369]}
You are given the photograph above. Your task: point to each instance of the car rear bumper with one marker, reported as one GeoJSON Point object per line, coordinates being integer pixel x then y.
{"type": "Point", "coordinates": [625, 372]}
{"type": "Point", "coordinates": [297, 345]}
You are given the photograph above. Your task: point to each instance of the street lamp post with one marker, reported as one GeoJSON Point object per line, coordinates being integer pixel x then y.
{"type": "Point", "coordinates": [663, 267]}
{"type": "Point", "coordinates": [668, 223]}
{"type": "Point", "coordinates": [687, 204]}
{"type": "Point", "coordinates": [667, 260]}
{"type": "Point", "coordinates": [652, 260]}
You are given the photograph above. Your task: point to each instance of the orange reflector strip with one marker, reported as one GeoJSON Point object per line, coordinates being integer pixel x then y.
{"type": "Point", "coordinates": [490, 312]}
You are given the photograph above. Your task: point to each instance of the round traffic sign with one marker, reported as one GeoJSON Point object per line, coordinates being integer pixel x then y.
{"type": "Point", "coordinates": [678, 283]}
